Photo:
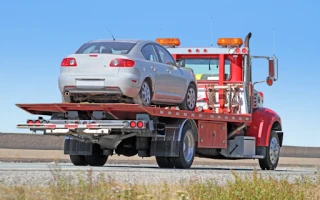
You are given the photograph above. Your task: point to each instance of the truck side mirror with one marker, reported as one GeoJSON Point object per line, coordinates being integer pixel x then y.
{"type": "Point", "coordinates": [271, 68]}
{"type": "Point", "coordinates": [269, 81]}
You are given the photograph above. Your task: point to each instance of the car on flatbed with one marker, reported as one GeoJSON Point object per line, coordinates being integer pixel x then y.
{"type": "Point", "coordinates": [129, 71]}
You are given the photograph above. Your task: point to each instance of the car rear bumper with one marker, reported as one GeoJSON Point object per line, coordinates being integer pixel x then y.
{"type": "Point", "coordinates": [126, 84]}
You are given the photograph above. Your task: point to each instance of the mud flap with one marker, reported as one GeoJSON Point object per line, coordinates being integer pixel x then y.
{"type": "Point", "coordinates": [164, 148]}
{"type": "Point", "coordinates": [74, 147]}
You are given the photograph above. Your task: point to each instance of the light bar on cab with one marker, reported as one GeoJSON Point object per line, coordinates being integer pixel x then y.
{"type": "Point", "coordinates": [234, 42]}
{"type": "Point", "coordinates": [168, 41]}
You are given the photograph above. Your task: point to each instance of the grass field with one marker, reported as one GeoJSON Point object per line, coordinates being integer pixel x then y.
{"type": "Point", "coordinates": [83, 186]}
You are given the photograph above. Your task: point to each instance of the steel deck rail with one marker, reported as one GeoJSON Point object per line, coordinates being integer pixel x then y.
{"type": "Point", "coordinates": [120, 110]}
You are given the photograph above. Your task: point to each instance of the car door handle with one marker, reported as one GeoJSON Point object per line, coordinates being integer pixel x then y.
{"type": "Point", "coordinates": [154, 69]}
{"type": "Point", "coordinates": [169, 71]}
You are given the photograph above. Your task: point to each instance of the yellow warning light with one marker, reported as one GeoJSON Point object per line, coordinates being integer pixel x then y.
{"type": "Point", "coordinates": [168, 41]}
{"type": "Point", "coordinates": [230, 42]}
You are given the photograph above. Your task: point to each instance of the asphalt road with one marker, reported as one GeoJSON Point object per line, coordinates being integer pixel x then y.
{"type": "Point", "coordinates": [142, 168]}
{"type": "Point", "coordinates": [41, 173]}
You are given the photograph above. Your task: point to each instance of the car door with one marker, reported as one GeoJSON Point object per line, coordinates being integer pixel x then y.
{"type": "Point", "coordinates": [175, 76]}
{"type": "Point", "coordinates": [156, 71]}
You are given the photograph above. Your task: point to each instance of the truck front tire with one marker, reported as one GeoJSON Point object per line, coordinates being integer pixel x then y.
{"type": "Point", "coordinates": [270, 162]}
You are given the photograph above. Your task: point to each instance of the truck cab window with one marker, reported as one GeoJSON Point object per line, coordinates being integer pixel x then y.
{"type": "Point", "coordinates": [207, 69]}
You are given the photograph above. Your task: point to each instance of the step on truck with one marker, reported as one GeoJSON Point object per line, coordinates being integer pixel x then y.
{"type": "Point", "coordinates": [229, 122]}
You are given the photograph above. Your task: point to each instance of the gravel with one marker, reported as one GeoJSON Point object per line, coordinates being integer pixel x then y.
{"type": "Point", "coordinates": [146, 175]}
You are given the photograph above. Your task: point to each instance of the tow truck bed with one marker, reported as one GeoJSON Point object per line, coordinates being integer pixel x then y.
{"type": "Point", "coordinates": [129, 111]}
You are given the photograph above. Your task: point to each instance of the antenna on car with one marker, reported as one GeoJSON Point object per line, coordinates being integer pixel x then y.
{"type": "Point", "coordinates": [111, 34]}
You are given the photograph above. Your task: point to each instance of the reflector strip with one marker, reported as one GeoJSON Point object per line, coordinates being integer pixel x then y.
{"type": "Point", "coordinates": [71, 126]}
{"type": "Point", "coordinates": [112, 125]}
{"type": "Point", "coordinates": [97, 131]}
{"type": "Point", "coordinates": [92, 126]}
{"type": "Point", "coordinates": [51, 126]}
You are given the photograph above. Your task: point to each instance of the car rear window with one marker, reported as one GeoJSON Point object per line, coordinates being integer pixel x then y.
{"type": "Point", "coordinates": [106, 47]}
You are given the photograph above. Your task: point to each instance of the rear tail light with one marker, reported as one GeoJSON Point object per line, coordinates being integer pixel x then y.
{"type": "Point", "coordinates": [69, 62]}
{"type": "Point", "coordinates": [133, 124]}
{"type": "Point", "coordinates": [140, 124]}
{"type": "Point", "coordinates": [37, 122]}
{"type": "Point", "coordinates": [121, 62]}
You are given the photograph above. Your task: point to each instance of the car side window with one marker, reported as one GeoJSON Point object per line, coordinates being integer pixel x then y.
{"type": "Point", "coordinates": [165, 57]}
{"type": "Point", "coordinates": [149, 53]}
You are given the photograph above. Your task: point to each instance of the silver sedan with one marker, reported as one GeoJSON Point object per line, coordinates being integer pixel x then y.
{"type": "Point", "coordinates": [131, 71]}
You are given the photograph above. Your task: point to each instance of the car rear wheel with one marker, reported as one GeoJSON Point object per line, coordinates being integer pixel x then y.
{"type": "Point", "coordinates": [190, 100]}
{"type": "Point", "coordinates": [144, 96]}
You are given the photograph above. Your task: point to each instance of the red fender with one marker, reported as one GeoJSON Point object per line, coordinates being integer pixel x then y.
{"type": "Point", "coordinates": [263, 119]}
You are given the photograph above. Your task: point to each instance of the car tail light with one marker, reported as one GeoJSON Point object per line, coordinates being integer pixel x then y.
{"type": "Point", "coordinates": [121, 62]}
{"type": "Point", "coordinates": [69, 62]}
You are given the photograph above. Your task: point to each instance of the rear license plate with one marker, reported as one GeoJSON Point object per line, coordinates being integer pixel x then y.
{"type": "Point", "coordinates": [90, 83]}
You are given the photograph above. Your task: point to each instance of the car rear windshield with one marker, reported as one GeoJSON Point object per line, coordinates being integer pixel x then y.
{"type": "Point", "coordinates": [106, 47]}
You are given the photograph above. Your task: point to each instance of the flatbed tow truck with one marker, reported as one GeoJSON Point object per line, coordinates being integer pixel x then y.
{"type": "Point", "coordinates": [230, 121]}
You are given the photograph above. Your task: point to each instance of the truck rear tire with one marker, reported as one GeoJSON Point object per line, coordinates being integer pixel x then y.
{"type": "Point", "coordinates": [78, 160]}
{"type": "Point", "coordinates": [96, 160]}
{"type": "Point", "coordinates": [164, 162]}
{"type": "Point", "coordinates": [270, 162]}
{"type": "Point", "coordinates": [187, 148]}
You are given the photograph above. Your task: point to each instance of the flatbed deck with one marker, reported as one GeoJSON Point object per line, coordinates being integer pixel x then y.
{"type": "Point", "coordinates": [122, 110]}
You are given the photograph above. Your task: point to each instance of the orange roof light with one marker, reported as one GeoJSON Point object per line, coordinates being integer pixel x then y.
{"type": "Point", "coordinates": [168, 41]}
{"type": "Point", "coordinates": [230, 42]}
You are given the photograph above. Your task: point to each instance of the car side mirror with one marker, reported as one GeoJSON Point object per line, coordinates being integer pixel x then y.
{"type": "Point", "coordinates": [180, 63]}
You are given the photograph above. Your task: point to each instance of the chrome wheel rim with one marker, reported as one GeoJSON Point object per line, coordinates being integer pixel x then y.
{"type": "Point", "coordinates": [274, 150]}
{"type": "Point", "coordinates": [188, 146]}
{"type": "Point", "coordinates": [191, 98]}
{"type": "Point", "coordinates": [146, 93]}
